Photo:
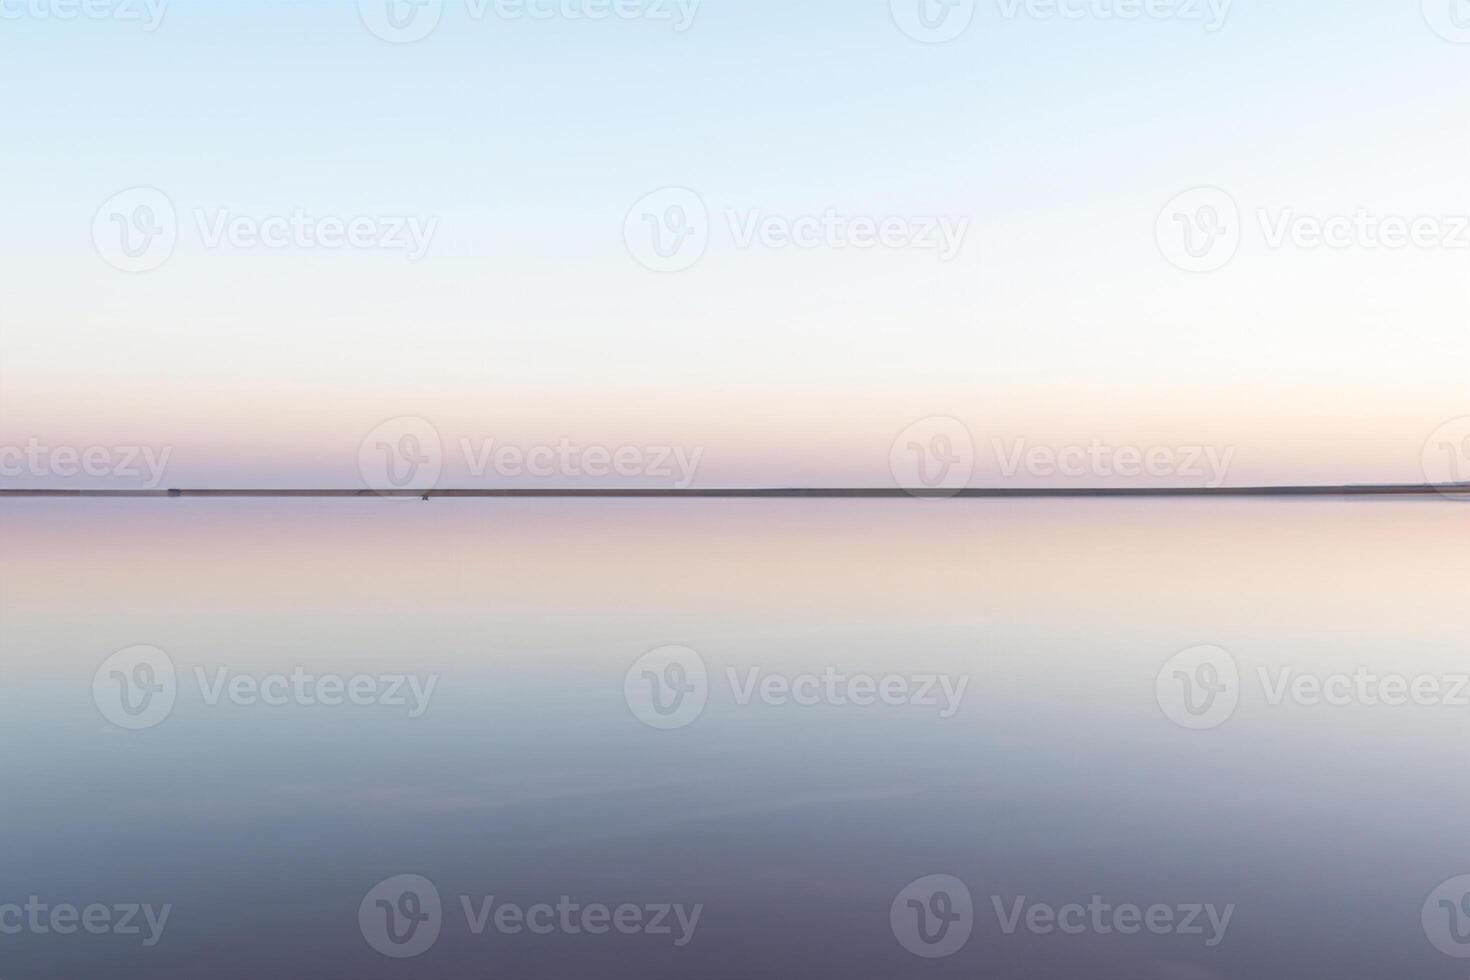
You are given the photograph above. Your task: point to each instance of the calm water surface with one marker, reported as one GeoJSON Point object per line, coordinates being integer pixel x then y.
{"type": "Point", "coordinates": [1050, 760]}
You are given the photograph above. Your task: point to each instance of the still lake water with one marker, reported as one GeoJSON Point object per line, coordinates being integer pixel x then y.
{"type": "Point", "coordinates": [550, 764]}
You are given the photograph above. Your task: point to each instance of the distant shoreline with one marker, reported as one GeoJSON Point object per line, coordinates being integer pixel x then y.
{"type": "Point", "coordinates": [836, 493]}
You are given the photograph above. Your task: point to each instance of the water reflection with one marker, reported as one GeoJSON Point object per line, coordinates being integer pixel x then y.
{"type": "Point", "coordinates": [286, 789]}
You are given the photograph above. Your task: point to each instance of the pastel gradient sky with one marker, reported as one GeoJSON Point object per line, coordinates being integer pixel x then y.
{"type": "Point", "coordinates": [529, 322]}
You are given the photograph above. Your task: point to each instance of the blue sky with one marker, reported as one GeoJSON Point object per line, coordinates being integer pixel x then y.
{"type": "Point", "coordinates": [528, 141]}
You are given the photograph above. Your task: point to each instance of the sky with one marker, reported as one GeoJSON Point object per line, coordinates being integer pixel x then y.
{"type": "Point", "coordinates": [785, 243]}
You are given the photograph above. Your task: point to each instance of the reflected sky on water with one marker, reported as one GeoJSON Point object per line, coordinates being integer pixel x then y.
{"type": "Point", "coordinates": [1043, 765]}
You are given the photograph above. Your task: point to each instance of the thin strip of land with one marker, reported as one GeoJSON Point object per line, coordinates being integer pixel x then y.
{"type": "Point", "coordinates": [785, 493]}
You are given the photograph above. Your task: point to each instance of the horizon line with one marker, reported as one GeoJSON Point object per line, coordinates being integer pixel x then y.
{"type": "Point", "coordinates": [875, 493]}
